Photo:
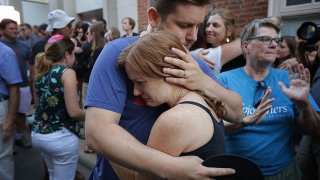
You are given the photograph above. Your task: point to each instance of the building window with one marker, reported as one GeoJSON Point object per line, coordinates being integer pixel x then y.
{"type": "Point", "coordinates": [297, 2]}
{"type": "Point", "coordinates": [293, 7]}
{"type": "Point", "coordinates": [294, 13]}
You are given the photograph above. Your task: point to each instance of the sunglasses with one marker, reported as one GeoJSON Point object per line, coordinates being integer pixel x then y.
{"type": "Point", "coordinates": [261, 89]}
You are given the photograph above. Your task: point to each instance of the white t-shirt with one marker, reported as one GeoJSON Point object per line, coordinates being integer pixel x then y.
{"type": "Point", "coordinates": [214, 56]}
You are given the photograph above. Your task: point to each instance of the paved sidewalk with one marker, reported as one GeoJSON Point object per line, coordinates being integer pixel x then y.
{"type": "Point", "coordinates": [88, 160]}
{"type": "Point", "coordinates": [29, 164]}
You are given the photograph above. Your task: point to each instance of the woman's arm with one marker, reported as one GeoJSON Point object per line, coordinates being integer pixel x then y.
{"type": "Point", "coordinates": [69, 82]}
{"type": "Point", "coordinates": [230, 51]}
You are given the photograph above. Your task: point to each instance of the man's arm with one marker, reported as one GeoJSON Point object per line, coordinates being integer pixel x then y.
{"type": "Point", "coordinates": [192, 77]}
{"type": "Point", "coordinates": [14, 94]}
{"type": "Point", "coordinates": [105, 136]}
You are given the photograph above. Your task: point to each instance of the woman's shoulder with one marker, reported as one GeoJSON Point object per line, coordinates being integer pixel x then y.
{"type": "Point", "coordinates": [183, 115]}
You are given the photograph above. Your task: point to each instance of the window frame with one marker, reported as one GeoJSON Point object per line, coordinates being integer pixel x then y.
{"type": "Point", "coordinates": [277, 7]}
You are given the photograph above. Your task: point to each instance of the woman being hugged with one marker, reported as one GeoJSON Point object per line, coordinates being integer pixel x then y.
{"type": "Point", "coordinates": [192, 125]}
{"type": "Point", "coordinates": [58, 108]}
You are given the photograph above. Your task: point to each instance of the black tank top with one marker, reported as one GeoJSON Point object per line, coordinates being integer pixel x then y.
{"type": "Point", "coordinates": [216, 144]}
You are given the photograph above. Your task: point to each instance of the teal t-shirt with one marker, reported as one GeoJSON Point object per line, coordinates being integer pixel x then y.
{"type": "Point", "coordinates": [51, 114]}
{"type": "Point", "coordinates": [270, 143]}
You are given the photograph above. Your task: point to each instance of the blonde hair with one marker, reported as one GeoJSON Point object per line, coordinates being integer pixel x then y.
{"type": "Point", "coordinates": [146, 55]}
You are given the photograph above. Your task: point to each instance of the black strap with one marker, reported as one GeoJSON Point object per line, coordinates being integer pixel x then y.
{"type": "Point", "coordinates": [199, 105]}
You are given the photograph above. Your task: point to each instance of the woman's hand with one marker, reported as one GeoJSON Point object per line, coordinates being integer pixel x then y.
{"type": "Point", "coordinates": [202, 54]}
{"type": "Point", "coordinates": [299, 85]}
{"type": "Point", "coordinates": [261, 110]}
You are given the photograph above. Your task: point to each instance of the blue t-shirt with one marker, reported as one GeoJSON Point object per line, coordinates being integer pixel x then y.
{"type": "Point", "coordinates": [270, 143]}
{"type": "Point", "coordinates": [23, 54]}
{"type": "Point", "coordinates": [110, 89]}
{"type": "Point", "coordinates": [9, 69]}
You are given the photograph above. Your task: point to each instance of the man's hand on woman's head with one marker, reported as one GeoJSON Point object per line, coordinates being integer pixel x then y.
{"type": "Point", "coordinates": [187, 74]}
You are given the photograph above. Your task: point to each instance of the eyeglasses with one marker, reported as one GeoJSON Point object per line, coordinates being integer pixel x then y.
{"type": "Point", "coordinates": [261, 89]}
{"type": "Point", "coordinates": [267, 40]}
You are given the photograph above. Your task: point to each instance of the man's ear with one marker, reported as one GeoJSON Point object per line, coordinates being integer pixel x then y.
{"type": "Point", "coordinates": [153, 17]}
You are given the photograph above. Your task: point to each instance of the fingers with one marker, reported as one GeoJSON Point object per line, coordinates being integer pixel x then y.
{"type": "Point", "coordinates": [174, 72]}
{"type": "Point", "coordinates": [289, 68]}
{"type": "Point", "coordinates": [175, 62]}
{"type": "Point", "coordinates": [282, 86]}
{"type": "Point", "coordinates": [213, 172]}
{"type": "Point", "coordinates": [184, 56]}
{"type": "Point", "coordinates": [210, 63]}
{"type": "Point", "coordinates": [6, 135]}
{"type": "Point", "coordinates": [266, 95]}
{"type": "Point", "coordinates": [302, 73]}
{"type": "Point", "coordinates": [308, 76]}
{"type": "Point", "coordinates": [177, 81]}
{"type": "Point", "coordinates": [204, 52]}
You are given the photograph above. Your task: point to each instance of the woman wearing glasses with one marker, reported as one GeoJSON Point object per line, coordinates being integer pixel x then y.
{"type": "Point", "coordinates": [274, 104]}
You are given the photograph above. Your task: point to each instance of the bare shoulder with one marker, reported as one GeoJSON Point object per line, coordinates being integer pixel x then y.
{"type": "Point", "coordinates": [69, 74]}
{"type": "Point", "coordinates": [184, 116]}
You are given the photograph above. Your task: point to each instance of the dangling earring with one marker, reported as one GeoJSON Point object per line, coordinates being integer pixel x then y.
{"type": "Point", "coordinates": [227, 39]}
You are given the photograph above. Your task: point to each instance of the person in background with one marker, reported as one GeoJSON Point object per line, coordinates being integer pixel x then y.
{"type": "Point", "coordinates": [104, 24]}
{"type": "Point", "coordinates": [10, 78]}
{"type": "Point", "coordinates": [42, 31]}
{"type": "Point", "coordinates": [308, 155]}
{"type": "Point", "coordinates": [275, 103]}
{"type": "Point", "coordinates": [83, 52]}
{"type": "Point", "coordinates": [112, 34]}
{"type": "Point", "coordinates": [128, 25]}
{"type": "Point", "coordinates": [27, 35]}
{"type": "Point", "coordinates": [189, 111]}
{"type": "Point", "coordinates": [58, 108]}
{"type": "Point", "coordinates": [93, 20]}
{"type": "Point", "coordinates": [95, 38]}
{"type": "Point", "coordinates": [286, 53]}
{"type": "Point", "coordinates": [58, 23]}
{"type": "Point", "coordinates": [10, 38]}
{"type": "Point", "coordinates": [116, 119]}
{"type": "Point", "coordinates": [216, 44]}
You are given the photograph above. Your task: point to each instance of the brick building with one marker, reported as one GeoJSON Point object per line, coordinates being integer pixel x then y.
{"type": "Point", "coordinates": [293, 12]}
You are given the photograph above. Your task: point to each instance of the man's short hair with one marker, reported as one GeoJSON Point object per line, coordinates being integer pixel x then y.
{"type": "Point", "coordinates": [132, 23]}
{"type": "Point", "coordinates": [166, 7]}
{"type": "Point", "coordinates": [5, 22]}
{"type": "Point", "coordinates": [26, 25]}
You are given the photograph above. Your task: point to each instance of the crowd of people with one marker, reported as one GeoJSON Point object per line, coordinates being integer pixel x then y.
{"type": "Point", "coordinates": [155, 105]}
